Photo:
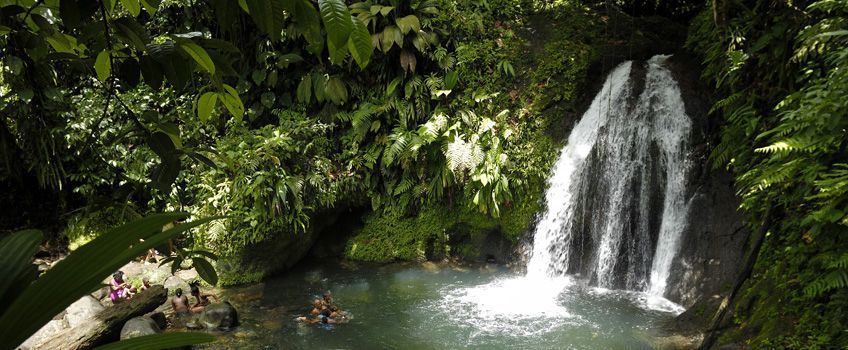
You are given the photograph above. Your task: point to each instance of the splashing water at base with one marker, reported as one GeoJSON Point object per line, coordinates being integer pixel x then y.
{"type": "Point", "coordinates": [518, 305]}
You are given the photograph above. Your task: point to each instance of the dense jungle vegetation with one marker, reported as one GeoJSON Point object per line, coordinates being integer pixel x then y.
{"type": "Point", "coordinates": [424, 117]}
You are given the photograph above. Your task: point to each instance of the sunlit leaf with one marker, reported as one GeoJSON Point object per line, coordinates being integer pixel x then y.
{"type": "Point", "coordinates": [132, 6]}
{"type": "Point", "coordinates": [359, 43]}
{"type": "Point", "coordinates": [408, 23]}
{"type": "Point", "coordinates": [199, 55]}
{"type": "Point", "coordinates": [205, 105]}
{"type": "Point", "coordinates": [337, 21]}
{"type": "Point", "coordinates": [232, 101]}
{"type": "Point", "coordinates": [103, 65]}
{"type": "Point", "coordinates": [151, 6]}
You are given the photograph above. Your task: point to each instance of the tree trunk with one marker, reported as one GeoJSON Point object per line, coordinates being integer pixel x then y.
{"type": "Point", "coordinates": [106, 326]}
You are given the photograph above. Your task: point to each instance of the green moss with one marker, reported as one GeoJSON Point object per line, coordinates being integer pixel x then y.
{"type": "Point", "coordinates": [232, 272]}
{"type": "Point", "coordinates": [389, 236]}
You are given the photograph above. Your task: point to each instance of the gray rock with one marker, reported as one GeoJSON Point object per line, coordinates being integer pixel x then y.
{"type": "Point", "coordinates": [101, 293]}
{"type": "Point", "coordinates": [222, 316]}
{"type": "Point", "coordinates": [139, 326]}
{"type": "Point", "coordinates": [82, 310]}
{"type": "Point", "coordinates": [174, 282]}
{"type": "Point", "coordinates": [187, 275]}
{"type": "Point", "coordinates": [51, 328]}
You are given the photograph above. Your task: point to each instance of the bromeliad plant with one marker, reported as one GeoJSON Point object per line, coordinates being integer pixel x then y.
{"type": "Point", "coordinates": [29, 301]}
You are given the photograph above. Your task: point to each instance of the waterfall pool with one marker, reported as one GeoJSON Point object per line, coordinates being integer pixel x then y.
{"type": "Point", "coordinates": [430, 306]}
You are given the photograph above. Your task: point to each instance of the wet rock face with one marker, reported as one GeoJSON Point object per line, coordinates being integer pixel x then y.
{"type": "Point", "coordinates": [713, 244]}
{"type": "Point", "coordinates": [221, 316]}
{"type": "Point", "coordinates": [275, 254]}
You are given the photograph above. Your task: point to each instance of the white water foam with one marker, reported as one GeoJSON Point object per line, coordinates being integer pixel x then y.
{"type": "Point", "coordinates": [519, 306]}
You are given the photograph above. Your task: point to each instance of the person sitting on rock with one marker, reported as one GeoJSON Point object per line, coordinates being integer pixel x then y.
{"type": "Point", "coordinates": [118, 288]}
{"type": "Point", "coordinates": [202, 298]}
{"type": "Point", "coordinates": [145, 283]}
{"type": "Point", "coordinates": [180, 303]}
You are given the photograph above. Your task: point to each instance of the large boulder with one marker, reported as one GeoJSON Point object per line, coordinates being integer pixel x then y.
{"type": "Point", "coordinates": [50, 329]}
{"type": "Point", "coordinates": [222, 316]}
{"type": "Point", "coordinates": [82, 310]}
{"type": "Point", "coordinates": [139, 326]}
{"type": "Point", "coordinates": [174, 282]}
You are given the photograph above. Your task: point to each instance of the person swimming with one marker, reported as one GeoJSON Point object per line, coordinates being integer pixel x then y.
{"type": "Point", "coordinates": [327, 298]}
{"type": "Point", "coordinates": [317, 306]}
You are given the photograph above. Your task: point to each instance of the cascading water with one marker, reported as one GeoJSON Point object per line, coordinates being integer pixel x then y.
{"type": "Point", "coordinates": [616, 202]}
{"type": "Point", "coordinates": [616, 205]}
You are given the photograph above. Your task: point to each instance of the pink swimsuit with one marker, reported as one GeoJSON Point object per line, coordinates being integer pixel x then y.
{"type": "Point", "coordinates": [119, 293]}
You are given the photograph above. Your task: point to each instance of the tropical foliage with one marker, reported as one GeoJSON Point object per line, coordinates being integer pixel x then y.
{"type": "Point", "coordinates": [267, 112]}
{"type": "Point", "coordinates": [780, 69]}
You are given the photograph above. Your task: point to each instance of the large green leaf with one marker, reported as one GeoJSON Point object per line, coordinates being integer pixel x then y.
{"type": "Point", "coordinates": [205, 105]}
{"type": "Point", "coordinates": [205, 270]}
{"type": "Point", "coordinates": [199, 55]}
{"type": "Point", "coordinates": [132, 6]}
{"type": "Point", "coordinates": [336, 91]}
{"type": "Point", "coordinates": [337, 21]}
{"type": "Point", "coordinates": [16, 253]}
{"type": "Point", "coordinates": [103, 65]}
{"type": "Point", "coordinates": [408, 23]}
{"type": "Point", "coordinates": [83, 270]}
{"type": "Point", "coordinates": [232, 101]}
{"type": "Point", "coordinates": [160, 341]}
{"type": "Point", "coordinates": [337, 54]}
{"type": "Point", "coordinates": [268, 16]}
{"type": "Point", "coordinates": [306, 20]}
{"type": "Point", "coordinates": [132, 32]}
{"type": "Point", "coordinates": [304, 89]}
{"type": "Point", "coordinates": [151, 71]}
{"type": "Point", "coordinates": [151, 6]}
{"type": "Point", "coordinates": [451, 78]}
{"type": "Point", "coordinates": [391, 35]}
{"type": "Point", "coordinates": [359, 43]}
{"type": "Point", "coordinates": [162, 144]}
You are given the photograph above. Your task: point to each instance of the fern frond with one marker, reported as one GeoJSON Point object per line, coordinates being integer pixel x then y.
{"type": "Point", "coordinates": [836, 279]}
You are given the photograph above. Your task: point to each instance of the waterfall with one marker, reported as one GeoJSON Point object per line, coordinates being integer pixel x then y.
{"type": "Point", "coordinates": [617, 198]}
